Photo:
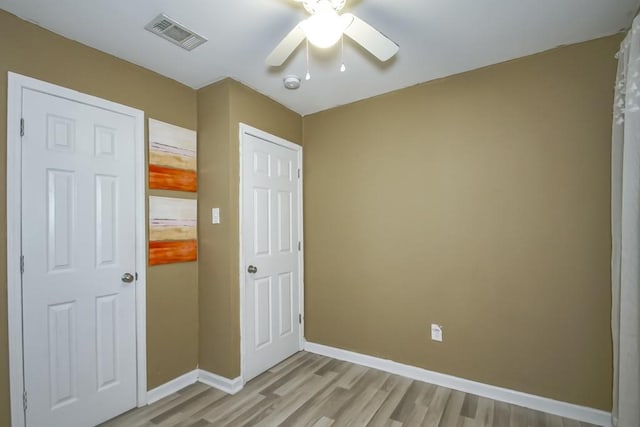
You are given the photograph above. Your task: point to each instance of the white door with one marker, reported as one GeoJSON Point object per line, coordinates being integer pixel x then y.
{"type": "Point", "coordinates": [270, 241]}
{"type": "Point", "coordinates": [78, 239]}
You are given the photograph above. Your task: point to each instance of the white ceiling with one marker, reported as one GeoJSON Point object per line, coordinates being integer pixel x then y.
{"type": "Point", "coordinates": [436, 37]}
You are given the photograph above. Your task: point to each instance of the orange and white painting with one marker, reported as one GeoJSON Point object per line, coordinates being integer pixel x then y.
{"type": "Point", "coordinates": [172, 157]}
{"type": "Point", "coordinates": [173, 230]}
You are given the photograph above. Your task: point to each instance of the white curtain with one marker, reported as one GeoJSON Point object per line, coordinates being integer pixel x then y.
{"type": "Point", "coordinates": [625, 227]}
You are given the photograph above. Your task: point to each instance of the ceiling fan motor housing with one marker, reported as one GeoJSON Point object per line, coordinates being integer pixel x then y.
{"type": "Point", "coordinates": [312, 6]}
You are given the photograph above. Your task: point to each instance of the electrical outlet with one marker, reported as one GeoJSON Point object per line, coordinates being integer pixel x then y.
{"type": "Point", "coordinates": [215, 215]}
{"type": "Point", "coordinates": [436, 332]}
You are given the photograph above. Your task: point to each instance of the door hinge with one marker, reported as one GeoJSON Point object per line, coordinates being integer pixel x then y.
{"type": "Point", "coordinates": [299, 246]}
{"type": "Point", "coordinates": [24, 400]}
{"type": "Point", "coordinates": [22, 264]}
{"type": "Point", "coordinates": [136, 276]}
{"type": "Point", "coordinates": [298, 173]}
{"type": "Point", "coordinates": [300, 319]}
{"type": "Point", "coordinates": [21, 127]}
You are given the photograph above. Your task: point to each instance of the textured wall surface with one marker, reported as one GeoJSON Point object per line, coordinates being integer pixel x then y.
{"type": "Point", "coordinates": [480, 202]}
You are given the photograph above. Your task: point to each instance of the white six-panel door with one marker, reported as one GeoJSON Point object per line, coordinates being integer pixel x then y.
{"type": "Point", "coordinates": [270, 241]}
{"type": "Point", "coordinates": [78, 228]}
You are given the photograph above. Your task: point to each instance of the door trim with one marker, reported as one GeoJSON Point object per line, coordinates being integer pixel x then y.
{"type": "Point", "coordinates": [16, 84]}
{"type": "Point", "coordinates": [248, 130]}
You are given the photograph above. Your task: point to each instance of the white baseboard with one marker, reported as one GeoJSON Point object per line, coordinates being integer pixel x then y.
{"type": "Point", "coordinates": [539, 403]}
{"type": "Point", "coordinates": [197, 375]}
{"type": "Point", "coordinates": [172, 386]}
{"type": "Point", "coordinates": [221, 383]}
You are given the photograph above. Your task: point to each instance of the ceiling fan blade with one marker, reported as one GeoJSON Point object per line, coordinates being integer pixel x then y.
{"type": "Point", "coordinates": [371, 39]}
{"type": "Point", "coordinates": [286, 47]}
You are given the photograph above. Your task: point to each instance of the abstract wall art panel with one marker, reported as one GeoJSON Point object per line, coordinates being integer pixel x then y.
{"type": "Point", "coordinates": [173, 230]}
{"type": "Point", "coordinates": [172, 157]}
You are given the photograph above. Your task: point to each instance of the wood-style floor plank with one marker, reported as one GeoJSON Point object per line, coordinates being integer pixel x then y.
{"type": "Point", "coordinates": [453, 415]}
{"type": "Point", "coordinates": [397, 387]}
{"type": "Point", "coordinates": [315, 391]}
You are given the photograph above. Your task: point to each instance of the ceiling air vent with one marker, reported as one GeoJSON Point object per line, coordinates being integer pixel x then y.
{"type": "Point", "coordinates": [169, 29]}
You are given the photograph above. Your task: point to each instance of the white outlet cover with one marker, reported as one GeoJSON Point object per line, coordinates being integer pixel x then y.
{"type": "Point", "coordinates": [436, 332]}
{"type": "Point", "coordinates": [215, 215]}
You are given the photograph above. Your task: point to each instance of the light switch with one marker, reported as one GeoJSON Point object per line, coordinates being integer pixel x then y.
{"type": "Point", "coordinates": [215, 215]}
{"type": "Point", "coordinates": [436, 332]}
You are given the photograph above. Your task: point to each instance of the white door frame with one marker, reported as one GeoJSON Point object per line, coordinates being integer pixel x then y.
{"type": "Point", "coordinates": [248, 130]}
{"type": "Point", "coordinates": [16, 84]}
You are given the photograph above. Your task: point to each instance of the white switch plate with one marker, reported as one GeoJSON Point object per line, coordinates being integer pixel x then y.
{"type": "Point", "coordinates": [436, 332]}
{"type": "Point", "coordinates": [215, 215]}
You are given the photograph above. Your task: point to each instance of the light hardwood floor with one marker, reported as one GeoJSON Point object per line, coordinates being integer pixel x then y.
{"type": "Point", "coordinates": [312, 390]}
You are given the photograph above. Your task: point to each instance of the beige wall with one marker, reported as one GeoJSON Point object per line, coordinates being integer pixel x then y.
{"type": "Point", "coordinates": [26, 49]}
{"type": "Point", "coordinates": [480, 202]}
{"type": "Point", "coordinates": [215, 268]}
{"type": "Point", "coordinates": [221, 107]}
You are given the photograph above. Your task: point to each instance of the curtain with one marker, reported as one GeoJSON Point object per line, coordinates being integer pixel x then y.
{"type": "Point", "coordinates": [625, 228]}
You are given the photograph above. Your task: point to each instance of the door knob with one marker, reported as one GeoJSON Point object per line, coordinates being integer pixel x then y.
{"type": "Point", "coordinates": [252, 269]}
{"type": "Point", "coordinates": [127, 277]}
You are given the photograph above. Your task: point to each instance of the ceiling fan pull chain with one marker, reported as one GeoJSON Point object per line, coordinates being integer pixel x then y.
{"type": "Point", "coordinates": [308, 76]}
{"type": "Point", "coordinates": [342, 67]}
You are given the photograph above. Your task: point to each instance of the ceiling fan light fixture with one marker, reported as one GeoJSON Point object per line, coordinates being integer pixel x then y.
{"type": "Point", "coordinates": [324, 28]}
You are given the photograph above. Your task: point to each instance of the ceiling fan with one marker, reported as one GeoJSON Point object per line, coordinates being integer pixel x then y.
{"type": "Point", "coordinates": [325, 27]}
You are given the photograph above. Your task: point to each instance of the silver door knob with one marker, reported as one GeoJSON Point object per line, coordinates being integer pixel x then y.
{"type": "Point", "coordinates": [127, 277]}
{"type": "Point", "coordinates": [252, 269]}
